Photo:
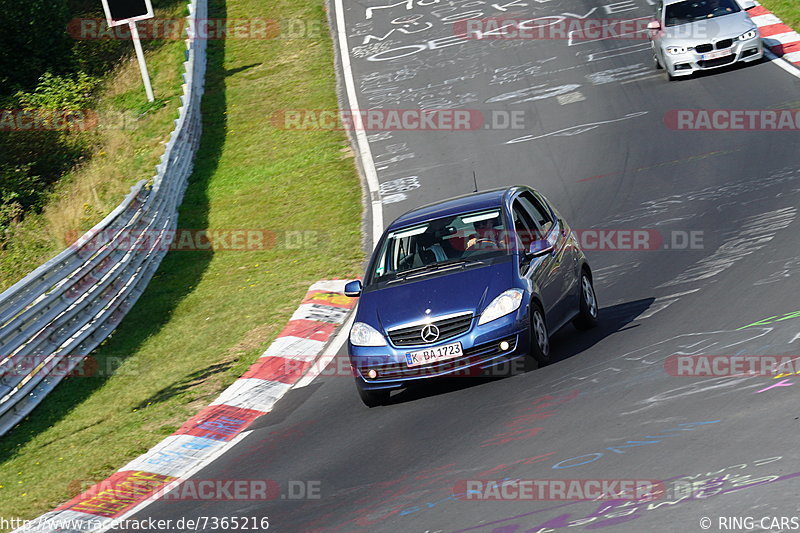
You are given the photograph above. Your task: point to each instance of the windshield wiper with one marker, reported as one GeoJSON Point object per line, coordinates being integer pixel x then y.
{"type": "Point", "coordinates": [433, 267]}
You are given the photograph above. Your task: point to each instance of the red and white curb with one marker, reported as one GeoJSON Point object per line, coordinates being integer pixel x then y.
{"type": "Point", "coordinates": [216, 428]}
{"type": "Point", "coordinates": [782, 40]}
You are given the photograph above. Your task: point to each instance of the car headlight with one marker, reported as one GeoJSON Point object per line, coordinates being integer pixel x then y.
{"type": "Point", "coordinates": [676, 50]}
{"type": "Point", "coordinates": [749, 35]}
{"type": "Point", "coordinates": [506, 303]}
{"type": "Point", "coordinates": [365, 335]}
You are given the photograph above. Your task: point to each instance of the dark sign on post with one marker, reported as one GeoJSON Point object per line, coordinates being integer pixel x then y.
{"type": "Point", "coordinates": [124, 11]}
{"type": "Point", "coordinates": [120, 12]}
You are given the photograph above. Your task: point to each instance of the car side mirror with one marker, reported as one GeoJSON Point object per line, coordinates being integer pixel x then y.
{"type": "Point", "coordinates": [654, 25]}
{"type": "Point", "coordinates": [540, 247]}
{"type": "Point", "coordinates": [353, 289]}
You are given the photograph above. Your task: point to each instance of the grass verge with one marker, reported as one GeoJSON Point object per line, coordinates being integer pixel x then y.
{"type": "Point", "coordinates": [207, 315]}
{"type": "Point", "coordinates": [787, 10]}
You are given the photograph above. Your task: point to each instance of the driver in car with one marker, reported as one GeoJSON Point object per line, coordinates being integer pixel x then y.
{"type": "Point", "coordinates": [485, 236]}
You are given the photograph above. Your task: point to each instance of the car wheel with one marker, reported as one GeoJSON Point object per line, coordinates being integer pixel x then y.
{"type": "Point", "coordinates": [540, 338]}
{"type": "Point", "coordinates": [657, 62]}
{"type": "Point", "coordinates": [373, 398]}
{"type": "Point", "coordinates": [587, 315]}
{"type": "Point", "coordinates": [668, 75]}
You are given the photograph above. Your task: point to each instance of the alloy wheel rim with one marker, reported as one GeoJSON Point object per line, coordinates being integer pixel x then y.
{"type": "Point", "coordinates": [588, 296]}
{"type": "Point", "coordinates": [541, 333]}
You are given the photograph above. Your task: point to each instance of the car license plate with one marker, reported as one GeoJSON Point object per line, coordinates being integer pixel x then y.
{"type": "Point", "coordinates": [717, 54]}
{"type": "Point", "coordinates": [432, 355]}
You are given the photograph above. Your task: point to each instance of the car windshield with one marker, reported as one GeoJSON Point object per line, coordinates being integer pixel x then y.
{"type": "Point", "coordinates": [695, 10]}
{"type": "Point", "coordinates": [441, 243]}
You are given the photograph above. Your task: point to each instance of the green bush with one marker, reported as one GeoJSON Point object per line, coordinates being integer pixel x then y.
{"type": "Point", "coordinates": [60, 92]}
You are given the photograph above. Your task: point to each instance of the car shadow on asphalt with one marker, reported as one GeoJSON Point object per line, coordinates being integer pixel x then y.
{"type": "Point", "coordinates": [568, 341]}
{"type": "Point", "coordinates": [700, 74]}
{"type": "Point", "coordinates": [565, 343]}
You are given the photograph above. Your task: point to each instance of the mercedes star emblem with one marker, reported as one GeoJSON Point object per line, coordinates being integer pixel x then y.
{"type": "Point", "coordinates": [430, 333]}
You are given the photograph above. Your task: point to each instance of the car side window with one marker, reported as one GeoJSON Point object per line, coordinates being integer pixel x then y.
{"type": "Point", "coordinates": [539, 213]}
{"type": "Point", "coordinates": [525, 228]}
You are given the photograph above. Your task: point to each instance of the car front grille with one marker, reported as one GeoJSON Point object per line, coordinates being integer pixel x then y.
{"type": "Point", "coordinates": [709, 63]}
{"type": "Point", "coordinates": [472, 356]}
{"type": "Point", "coordinates": [449, 327]}
{"type": "Point", "coordinates": [719, 45]}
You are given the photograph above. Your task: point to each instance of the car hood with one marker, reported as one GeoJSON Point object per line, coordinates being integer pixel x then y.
{"type": "Point", "coordinates": [456, 291]}
{"type": "Point", "coordinates": [709, 30]}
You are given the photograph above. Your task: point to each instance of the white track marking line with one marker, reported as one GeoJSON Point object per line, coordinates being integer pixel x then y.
{"type": "Point", "coordinates": [663, 302]}
{"type": "Point", "coordinates": [788, 67]}
{"type": "Point", "coordinates": [367, 163]}
{"type": "Point", "coordinates": [635, 80]}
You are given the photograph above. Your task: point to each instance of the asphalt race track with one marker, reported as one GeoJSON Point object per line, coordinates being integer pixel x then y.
{"type": "Point", "coordinates": [721, 277]}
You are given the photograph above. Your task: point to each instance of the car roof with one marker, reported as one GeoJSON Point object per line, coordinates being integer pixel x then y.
{"type": "Point", "coordinates": [455, 206]}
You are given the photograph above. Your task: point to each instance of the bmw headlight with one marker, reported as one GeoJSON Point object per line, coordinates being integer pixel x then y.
{"type": "Point", "coordinates": [676, 50]}
{"type": "Point", "coordinates": [506, 303]}
{"type": "Point", "coordinates": [749, 35]}
{"type": "Point", "coordinates": [365, 335]}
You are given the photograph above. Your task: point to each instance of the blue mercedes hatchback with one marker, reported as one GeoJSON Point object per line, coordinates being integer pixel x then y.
{"type": "Point", "coordinates": [466, 285]}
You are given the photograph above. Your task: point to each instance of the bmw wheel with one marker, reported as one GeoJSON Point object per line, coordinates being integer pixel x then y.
{"type": "Point", "coordinates": [587, 315]}
{"type": "Point", "coordinates": [540, 338]}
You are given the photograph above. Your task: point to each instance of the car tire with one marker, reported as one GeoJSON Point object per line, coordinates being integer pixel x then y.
{"type": "Point", "coordinates": [587, 313]}
{"type": "Point", "coordinates": [373, 398]}
{"type": "Point", "coordinates": [657, 62]}
{"type": "Point", "coordinates": [540, 338]}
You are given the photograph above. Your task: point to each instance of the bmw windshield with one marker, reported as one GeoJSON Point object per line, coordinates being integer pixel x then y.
{"type": "Point", "coordinates": [695, 10]}
{"type": "Point", "coordinates": [448, 242]}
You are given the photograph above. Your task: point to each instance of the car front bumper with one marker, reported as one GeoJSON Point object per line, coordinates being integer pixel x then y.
{"type": "Point", "coordinates": [689, 62]}
{"type": "Point", "coordinates": [482, 355]}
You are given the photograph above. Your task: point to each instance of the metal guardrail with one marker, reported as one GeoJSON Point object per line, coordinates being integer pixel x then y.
{"type": "Point", "coordinates": [58, 314]}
